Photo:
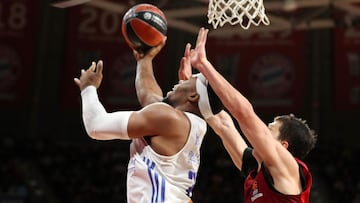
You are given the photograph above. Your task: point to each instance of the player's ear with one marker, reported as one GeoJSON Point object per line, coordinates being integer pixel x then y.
{"type": "Point", "coordinates": [284, 143]}
{"type": "Point", "coordinates": [193, 97]}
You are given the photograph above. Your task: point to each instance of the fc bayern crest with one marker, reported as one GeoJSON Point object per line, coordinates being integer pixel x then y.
{"type": "Point", "coordinates": [271, 76]}
{"type": "Point", "coordinates": [121, 77]}
{"type": "Point", "coordinates": [10, 68]}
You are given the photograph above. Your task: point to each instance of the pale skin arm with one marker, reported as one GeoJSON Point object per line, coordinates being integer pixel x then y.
{"type": "Point", "coordinates": [224, 127]}
{"type": "Point", "coordinates": [282, 166]}
{"type": "Point", "coordinates": [221, 123]}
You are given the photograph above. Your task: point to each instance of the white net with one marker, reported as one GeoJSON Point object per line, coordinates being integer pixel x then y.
{"type": "Point", "coordinates": [243, 12]}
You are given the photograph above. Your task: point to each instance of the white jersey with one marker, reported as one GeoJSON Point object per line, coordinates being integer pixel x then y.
{"type": "Point", "coordinates": [154, 178]}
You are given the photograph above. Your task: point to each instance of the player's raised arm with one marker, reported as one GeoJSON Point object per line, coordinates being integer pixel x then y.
{"type": "Point", "coordinates": [224, 127]}
{"type": "Point", "coordinates": [147, 88]}
{"type": "Point", "coordinates": [280, 162]}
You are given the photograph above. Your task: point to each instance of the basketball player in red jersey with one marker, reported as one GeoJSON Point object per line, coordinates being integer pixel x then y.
{"type": "Point", "coordinates": [273, 167]}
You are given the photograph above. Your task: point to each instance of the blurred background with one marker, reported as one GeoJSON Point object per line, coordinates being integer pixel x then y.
{"type": "Point", "coordinates": [306, 62]}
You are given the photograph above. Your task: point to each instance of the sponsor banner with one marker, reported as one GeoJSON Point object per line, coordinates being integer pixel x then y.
{"type": "Point", "coordinates": [347, 69]}
{"type": "Point", "coordinates": [95, 34]}
{"type": "Point", "coordinates": [269, 69]}
{"type": "Point", "coordinates": [18, 29]}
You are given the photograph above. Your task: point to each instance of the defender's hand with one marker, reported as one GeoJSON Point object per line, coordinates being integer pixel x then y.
{"type": "Point", "coordinates": [185, 69]}
{"type": "Point", "coordinates": [198, 55]}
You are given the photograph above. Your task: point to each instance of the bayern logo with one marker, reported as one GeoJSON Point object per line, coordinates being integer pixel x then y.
{"type": "Point", "coordinates": [271, 76]}
{"type": "Point", "coordinates": [123, 77]}
{"type": "Point", "coordinates": [10, 67]}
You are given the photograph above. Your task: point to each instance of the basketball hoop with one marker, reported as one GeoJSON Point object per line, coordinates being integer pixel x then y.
{"type": "Point", "coordinates": [243, 12]}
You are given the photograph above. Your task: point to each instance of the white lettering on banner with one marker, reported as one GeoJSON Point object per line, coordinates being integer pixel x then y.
{"type": "Point", "coordinates": [13, 16]}
{"type": "Point", "coordinates": [351, 31]}
{"type": "Point", "coordinates": [99, 22]}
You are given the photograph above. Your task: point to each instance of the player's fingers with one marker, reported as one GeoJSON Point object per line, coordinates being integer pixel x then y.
{"type": "Point", "coordinates": [138, 55]}
{"type": "Point", "coordinates": [163, 42]}
{"type": "Point", "coordinates": [157, 48]}
{"type": "Point", "coordinates": [92, 67]}
{"type": "Point", "coordinates": [77, 81]}
{"type": "Point", "coordinates": [204, 36]}
{"type": "Point", "coordinates": [199, 36]}
{"type": "Point", "coordinates": [187, 49]}
{"type": "Point", "coordinates": [181, 74]}
{"type": "Point", "coordinates": [99, 67]}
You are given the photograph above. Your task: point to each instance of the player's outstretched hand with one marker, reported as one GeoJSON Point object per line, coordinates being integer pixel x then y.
{"type": "Point", "coordinates": [92, 76]}
{"type": "Point", "coordinates": [185, 69]}
{"type": "Point", "coordinates": [198, 54]}
{"type": "Point", "coordinates": [221, 122]}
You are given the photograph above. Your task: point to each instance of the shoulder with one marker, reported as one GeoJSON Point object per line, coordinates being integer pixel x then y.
{"type": "Point", "coordinates": [160, 111]}
{"type": "Point", "coordinates": [158, 119]}
{"type": "Point", "coordinates": [196, 120]}
{"type": "Point", "coordinates": [160, 107]}
{"type": "Point", "coordinates": [304, 171]}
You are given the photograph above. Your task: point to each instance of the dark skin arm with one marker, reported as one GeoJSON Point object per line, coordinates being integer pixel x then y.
{"type": "Point", "coordinates": [148, 90]}
{"type": "Point", "coordinates": [155, 119]}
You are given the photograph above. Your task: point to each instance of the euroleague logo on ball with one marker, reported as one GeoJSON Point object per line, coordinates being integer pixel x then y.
{"type": "Point", "coordinates": [147, 15]}
{"type": "Point", "coordinates": [155, 19]}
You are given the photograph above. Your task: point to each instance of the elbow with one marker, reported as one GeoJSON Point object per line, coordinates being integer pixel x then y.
{"type": "Point", "coordinates": [97, 136]}
{"type": "Point", "coordinates": [92, 134]}
{"type": "Point", "coordinates": [92, 127]}
{"type": "Point", "coordinates": [244, 111]}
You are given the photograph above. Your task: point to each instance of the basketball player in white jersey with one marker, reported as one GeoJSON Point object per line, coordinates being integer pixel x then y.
{"type": "Point", "coordinates": [166, 133]}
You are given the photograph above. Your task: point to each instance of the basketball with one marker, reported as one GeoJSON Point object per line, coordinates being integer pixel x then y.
{"type": "Point", "coordinates": [144, 26]}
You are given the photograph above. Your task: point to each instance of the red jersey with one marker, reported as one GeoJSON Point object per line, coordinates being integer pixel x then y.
{"type": "Point", "coordinates": [258, 189]}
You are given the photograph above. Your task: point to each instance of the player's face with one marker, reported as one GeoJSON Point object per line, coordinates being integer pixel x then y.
{"type": "Point", "coordinates": [181, 91]}
{"type": "Point", "coordinates": [274, 129]}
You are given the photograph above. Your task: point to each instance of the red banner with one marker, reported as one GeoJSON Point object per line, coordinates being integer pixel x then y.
{"type": "Point", "coordinates": [95, 34]}
{"type": "Point", "coordinates": [347, 69]}
{"type": "Point", "coordinates": [18, 28]}
{"type": "Point", "coordinates": [268, 69]}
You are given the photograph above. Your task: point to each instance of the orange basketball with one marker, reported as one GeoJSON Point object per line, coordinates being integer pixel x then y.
{"type": "Point", "coordinates": [144, 26]}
